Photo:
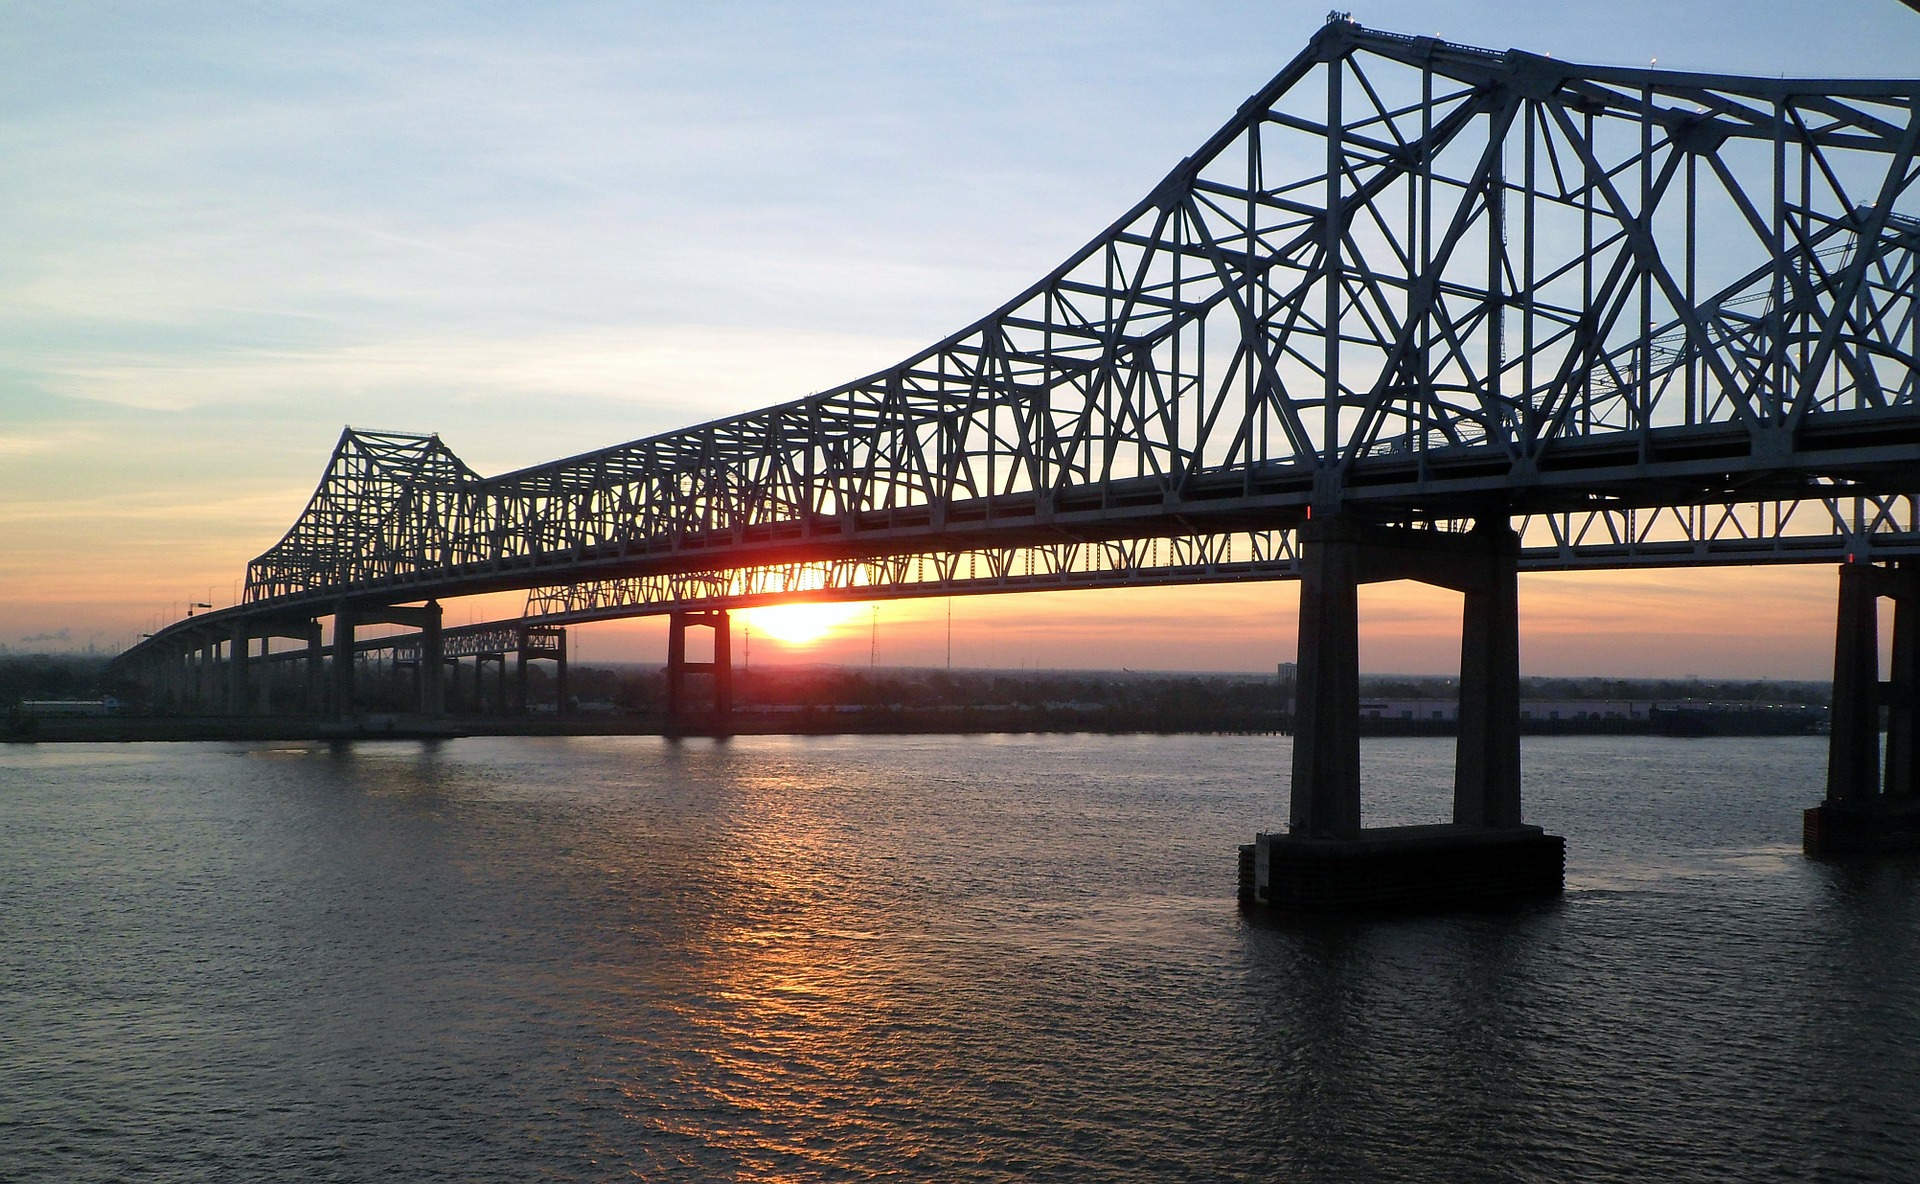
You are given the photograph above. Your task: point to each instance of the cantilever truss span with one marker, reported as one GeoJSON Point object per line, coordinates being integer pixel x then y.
{"type": "Point", "coordinates": [1652, 317]}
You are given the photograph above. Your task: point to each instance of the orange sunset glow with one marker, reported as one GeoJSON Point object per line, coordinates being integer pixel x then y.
{"type": "Point", "coordinates": [799, 625]}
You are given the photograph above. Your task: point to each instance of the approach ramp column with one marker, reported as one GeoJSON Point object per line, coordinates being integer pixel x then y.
{"type": "Point", "coordinates": [239, 694]}
{"type": "Point", "coordinates": [343, 659]}
{"type": "Point", "coordinates": [521, 703]}
{"type": "Point", "coordinates": [432, 667]}
{"type": "Point", "coordinates": [315, 669]}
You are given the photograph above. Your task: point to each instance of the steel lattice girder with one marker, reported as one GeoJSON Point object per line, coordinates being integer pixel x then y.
{"type": "Point", "coordinates": [1815, 530]}
{"type": "Point", "coordinates": [1409, 279]}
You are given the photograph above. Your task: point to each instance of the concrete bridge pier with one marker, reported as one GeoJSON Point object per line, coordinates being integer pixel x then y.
{"type": "Point", "coordinates": [170, 673]}
{"type": "Point", "coordinates": [203, 671]}
{"type": "Point", "coordinates": [1869, 808]}
{"type": "Point", "coordinates": [433, 690]}
{"type": "Point", "coordinates": [429, 690]}
{"type": "Point", "coordinates": [522, 700]}
{"type": "Point", "coordinates": [1327, 860]}
{"type": "Point", "coordinates": [239, 693]}
{"type": "Point", "coordinates": [344, 625]}
{"type": "Point", "coordinates": [315, 682]}
{"type": "Point", "coordinates": [500, 703]}
{"type": "Point", "coordinates": [681, 713]}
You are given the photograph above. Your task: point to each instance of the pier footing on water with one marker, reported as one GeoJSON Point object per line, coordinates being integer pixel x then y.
{"type": "Point", "coordinates": [1862, 828]}
{"type": "Point", "coordinates": [1401, 868]}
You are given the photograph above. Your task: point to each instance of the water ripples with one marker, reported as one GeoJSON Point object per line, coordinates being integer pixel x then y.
{"type": "Point", "coordinates": [966, 958]}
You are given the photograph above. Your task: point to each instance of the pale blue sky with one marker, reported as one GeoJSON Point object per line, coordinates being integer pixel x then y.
{"type": "Point", "coordinates": [227, 229]}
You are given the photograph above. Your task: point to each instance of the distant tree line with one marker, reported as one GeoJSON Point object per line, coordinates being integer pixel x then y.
{"type": "Point", "coordinates": [1717, 690]}
{"type": "Point", "coordinates": [50, 676]}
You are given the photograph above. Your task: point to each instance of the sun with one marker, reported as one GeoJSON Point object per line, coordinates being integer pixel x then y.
{"type": "Point", "coordinates": [799, 624]}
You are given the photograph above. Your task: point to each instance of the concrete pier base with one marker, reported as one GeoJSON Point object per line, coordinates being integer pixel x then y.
{"type": "Point", "coordinates": [1872, 827]}
{"type": "Point", "coordinates": [1401, 868]}
{"type": "Point", "coordinates": [1872, 807]}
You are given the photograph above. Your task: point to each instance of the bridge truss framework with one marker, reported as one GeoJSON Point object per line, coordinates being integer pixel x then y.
{"type": "Point", "coordinates": [1612, 317]}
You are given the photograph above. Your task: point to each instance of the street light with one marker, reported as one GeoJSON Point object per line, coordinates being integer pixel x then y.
{"type": "Point", "coordinates": [197, 604]}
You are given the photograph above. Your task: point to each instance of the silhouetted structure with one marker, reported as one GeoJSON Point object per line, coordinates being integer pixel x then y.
{"type": "Point", "coordinates": [1418, 308]}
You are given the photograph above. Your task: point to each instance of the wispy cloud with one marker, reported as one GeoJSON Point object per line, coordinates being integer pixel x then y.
{"type": "Point", "coordinates": [670, 374]}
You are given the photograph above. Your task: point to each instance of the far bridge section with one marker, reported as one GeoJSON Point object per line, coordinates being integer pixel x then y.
{"type": "Point", "coordinates": [216, 669]}
{"type": "Point", "coordinates": [1418, 310]}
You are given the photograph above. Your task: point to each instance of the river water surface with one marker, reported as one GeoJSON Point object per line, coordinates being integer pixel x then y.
{"type": "Point", "coordinates": [940, 958]}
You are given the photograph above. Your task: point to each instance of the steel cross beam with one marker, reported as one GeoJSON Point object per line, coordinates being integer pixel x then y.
{"type": "Point", "coordinates": [1408, 280]}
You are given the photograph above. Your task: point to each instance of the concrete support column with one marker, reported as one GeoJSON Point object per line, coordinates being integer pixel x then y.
{"type": "Point", "coordinates": [1903, 718]}
{"type": "Point", "coordinates": [721, 667]}
{"type": "Point", "coordinates": [722, 624]}
{"type": "Point", "coordinates": [210, 663]}
{"type": "Point", "coordinates": [1326, 736]}
{"type": "Point", "coordinates": [1864, 812]}
{"type": "Point", "coordinates": [1853, 749]}
{"type": "Point", "coordinates": [239, 694]}
{"type": "Point", "coordinates": [343, 660]}
{"type": "Point", "coordinates": [521, 706]}
{"type": "Point", "coordinates": [432, 691]}
{"type": "Point", "coordinates": [560, 677]}
{"type": "Point", "coordinates": [1486, 781]}
{"type": "Point", "coordinates": [676, 664]}
{"type": "Point", "coordinates": [316, 666]}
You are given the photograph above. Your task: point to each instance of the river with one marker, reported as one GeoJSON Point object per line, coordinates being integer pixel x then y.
{"type": "Point", "coordinates": [990, 958]}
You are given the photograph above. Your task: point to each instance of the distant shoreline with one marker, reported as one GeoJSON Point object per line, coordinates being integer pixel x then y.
{"type": "Point", "coordinates": [969, 721]}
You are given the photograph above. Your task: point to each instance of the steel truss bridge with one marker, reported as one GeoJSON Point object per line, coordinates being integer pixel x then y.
{"type": "Point", "coordinates": [1638, 317]}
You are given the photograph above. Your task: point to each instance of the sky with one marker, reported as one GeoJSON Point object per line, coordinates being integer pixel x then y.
{"type": "Point", "coordinates": [229, 229]}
